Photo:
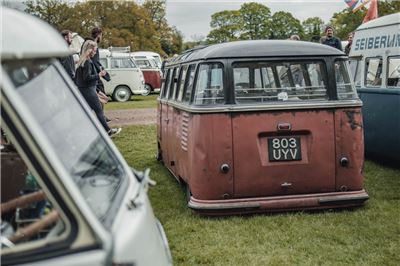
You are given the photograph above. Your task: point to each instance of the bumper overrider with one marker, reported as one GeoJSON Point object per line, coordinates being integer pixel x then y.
{"type": "Point", "coordinates": [333, 200]}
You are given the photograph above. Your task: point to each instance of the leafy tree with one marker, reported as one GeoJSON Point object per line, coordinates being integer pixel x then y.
{"type": "Point", "coordinates": [284, 25]}
{"type": "Point", "coordinates": [256, 19]}
{"type": "Point", "coordinates": [156, 10]}
{"type": "Point", "coordinates": [313, 28]}
{"type": "Point", "coordinates": [170, 38]}
{"type": "Point", "coordinates": [124, 23]}
{"type": "Point", "coordinates": [174, 43]}
{"type": "Point", "coordinates": [54, 12]}
{"type": "Point", "coordinates": [346, 21]}
{"type": "Point", "coordinates": [226, 26]}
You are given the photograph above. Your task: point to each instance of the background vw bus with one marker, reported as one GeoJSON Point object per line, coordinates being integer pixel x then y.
{"type": "Point", "coordinates": [375, 64]}
{"type": "Point", "coordinates": [126, 76]}
{"type": "Point", "coordinates": [151, 73]}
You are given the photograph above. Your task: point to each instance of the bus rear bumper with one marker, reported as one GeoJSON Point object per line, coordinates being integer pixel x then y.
{"type": "Point", "coordinates": [333, 200]}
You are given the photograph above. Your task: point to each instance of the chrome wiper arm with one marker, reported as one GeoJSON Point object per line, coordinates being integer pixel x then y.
{"type": "Point", "coordinates": [145, 182]}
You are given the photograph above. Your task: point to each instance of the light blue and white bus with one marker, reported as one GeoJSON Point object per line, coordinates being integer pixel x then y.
{"type": "Point", "coordinates": [375, 64]}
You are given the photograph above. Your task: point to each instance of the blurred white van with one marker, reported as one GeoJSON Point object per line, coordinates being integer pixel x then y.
{"type": "Point", "coordinates": [69, 196]}
{"type": "Point", "coordinates": [126, 76]}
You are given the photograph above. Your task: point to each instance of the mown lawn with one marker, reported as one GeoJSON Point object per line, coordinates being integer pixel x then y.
{"type": "Point", "coordinates": [366, 236]}
{"type": "Point", "coordinates": [136, 101]}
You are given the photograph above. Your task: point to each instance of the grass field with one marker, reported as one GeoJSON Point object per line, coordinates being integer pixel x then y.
{"type": "Point", "coordinates": [137, 101]}
{"type": "Point", "coordinates": [366, 236]}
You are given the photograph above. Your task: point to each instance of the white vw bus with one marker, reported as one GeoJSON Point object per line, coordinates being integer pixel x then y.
{"type": "Point", "coordinates": [126, 76]}
{"type": "Point", "coordinates": [68, 196]}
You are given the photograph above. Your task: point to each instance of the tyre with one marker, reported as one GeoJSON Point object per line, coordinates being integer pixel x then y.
{"type": "Point", "coordinates": [148, 89]}
{"type": "Point", "coordinates": [122, 94]}
{"type": "Point", "coordinates": [188, 193]}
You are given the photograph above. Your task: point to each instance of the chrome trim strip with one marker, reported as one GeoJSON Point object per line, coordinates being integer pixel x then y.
{"type": "Point", "coordinates": [265, 107]}
{"type": "Point", "coordinates": [316, 200]}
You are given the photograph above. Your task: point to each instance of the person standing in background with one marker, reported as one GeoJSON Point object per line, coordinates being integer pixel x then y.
{"type": "Point", "coordinates": [331, 40]}
{"type": "Point", "coordinates": [68, 61]}
{"type": "Point", "coordinates": [350, 42]}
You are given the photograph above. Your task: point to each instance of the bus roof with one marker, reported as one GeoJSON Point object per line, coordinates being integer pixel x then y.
{"type": "Point", "coordinates": [258, 48]}
{"type": "Point", "coordinates": [381, 22]}
{"type": "Point", "coordinates": [27, 37]}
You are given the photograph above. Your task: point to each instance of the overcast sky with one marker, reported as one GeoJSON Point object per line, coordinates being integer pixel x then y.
{"type": "Point", "coordinates": [192, 17]}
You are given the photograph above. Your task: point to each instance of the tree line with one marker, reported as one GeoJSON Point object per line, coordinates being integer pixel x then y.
{"type": "Point", "coordinates": [255, 21]}
{"type": "Point", "coordinates": [144, 27]}
{"type": "Point", "coordinates": [124, 23]}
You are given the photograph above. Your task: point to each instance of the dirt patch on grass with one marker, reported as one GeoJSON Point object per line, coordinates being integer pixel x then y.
{"type": "Point", "coordinates": [132, 117]}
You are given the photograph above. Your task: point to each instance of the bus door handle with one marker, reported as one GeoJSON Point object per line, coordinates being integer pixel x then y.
{"type": "Point", "coordinates": [166, 120]}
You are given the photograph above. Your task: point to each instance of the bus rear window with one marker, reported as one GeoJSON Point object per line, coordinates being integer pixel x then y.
{"type": "Point", "coordinates": [345, 90]}
{"type": "Point", "coordinates": [257, 82]}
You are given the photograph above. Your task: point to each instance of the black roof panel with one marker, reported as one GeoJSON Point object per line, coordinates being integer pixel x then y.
{"type": "Point", "coordinates": [258, 48]}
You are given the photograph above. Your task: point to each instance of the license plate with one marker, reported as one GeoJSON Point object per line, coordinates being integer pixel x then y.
{"type": "Point", "coordinates": [284, 149]}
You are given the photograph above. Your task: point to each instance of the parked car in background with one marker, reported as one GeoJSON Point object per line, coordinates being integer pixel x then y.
{"type": "Point", "coordinates": [375, 63]}
{"type": "Point", "coordinates": [262, 126]}
{"type": "Point", "coordinates": [69, 196]}
{"type": "Point", "coordinates": [151, 73]}
{"type": "Point", "coordinates": [154, 55]}
{"type": "Point", "coordinates": [126, 77]}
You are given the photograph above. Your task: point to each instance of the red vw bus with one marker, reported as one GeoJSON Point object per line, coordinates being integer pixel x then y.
{"type": "Point", "coordinates": [151, 73]}
{"type": "Point", "coordinates": [262, 126]}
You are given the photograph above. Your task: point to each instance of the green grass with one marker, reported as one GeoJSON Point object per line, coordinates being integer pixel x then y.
{"type": "Point", "coordinates": [137, 101]}
{"type": "Point", "coordinates": [365, 236]}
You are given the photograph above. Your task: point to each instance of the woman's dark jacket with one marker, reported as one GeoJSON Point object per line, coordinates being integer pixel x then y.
{"type": "Point", "coordinates": [86, 75]}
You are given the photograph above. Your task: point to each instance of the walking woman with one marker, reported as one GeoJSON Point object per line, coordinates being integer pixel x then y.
{"type": "Point", "coordinates": [86, 79]}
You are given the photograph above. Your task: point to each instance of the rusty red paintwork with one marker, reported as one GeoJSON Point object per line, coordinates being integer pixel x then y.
{"type": "Point", "coordinates": [152, 77]}
{"type": "Point", "coordinates": [198, 144]}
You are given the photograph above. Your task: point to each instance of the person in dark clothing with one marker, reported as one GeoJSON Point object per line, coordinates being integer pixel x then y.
{"type": "Point", "coordinates": [86, 81]}
{"type": "Point", "coordinates": [68, 61]}
{"type": "Point", "coordinates": [97, 36]}
{"type": "Point", "coordinates": [349, 43]}
{"type": "Point", "coordinates": [331, 40]}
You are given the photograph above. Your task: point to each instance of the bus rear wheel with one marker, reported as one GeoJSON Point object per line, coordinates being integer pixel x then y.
{"type": "Point", "coordinates": [148, 89]}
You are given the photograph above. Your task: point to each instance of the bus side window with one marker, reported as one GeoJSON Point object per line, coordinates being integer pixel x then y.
{"type": "Point", "coordinates": [182, 76]}
{"type": "Point", "coordinates": [104, 63]}
{"type": "Point", "coordinates": [187, 94]}
{"type": "Point", "coordinates": [373, 73]}
{"type": "Point", "coordinates": [30, 219]}
{"type": "Point", "coordinates": [115, 63]}
{"type": "Point", "coordinates": [174, 82]}
{"type": "Point", "coordinates": [165, 84]}
{"type": "Point", "coordinates": [393, 72]}
{"type": "Point", "coordinates": [209, 84]}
